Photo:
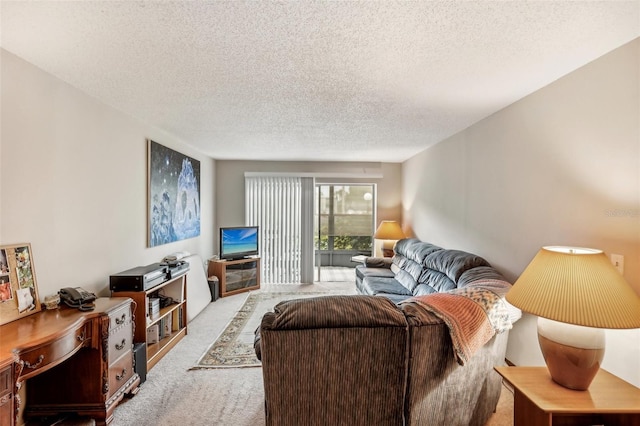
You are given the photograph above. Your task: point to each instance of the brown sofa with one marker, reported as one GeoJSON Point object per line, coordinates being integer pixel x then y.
{"type": "Point", "coordinates": [363, 360]}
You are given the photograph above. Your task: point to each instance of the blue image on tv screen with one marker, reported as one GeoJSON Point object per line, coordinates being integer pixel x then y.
{"type": "Point", "coordinates": [239, 240]}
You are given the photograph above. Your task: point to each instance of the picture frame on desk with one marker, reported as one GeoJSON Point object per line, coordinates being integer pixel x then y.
{"type": "Point", "coordinates": [18, 286]}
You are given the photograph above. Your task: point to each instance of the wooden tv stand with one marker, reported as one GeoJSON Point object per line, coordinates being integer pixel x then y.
{"type": "Point", "coordinates": [236, 276]}
{"type": "Point", "coordinates": [71, 362]}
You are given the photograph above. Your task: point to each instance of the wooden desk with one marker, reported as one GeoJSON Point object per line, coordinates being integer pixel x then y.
{"type": "Point", "coordinates": [71, 361]}
{"type": "Point", "coordinates": [538, 400]}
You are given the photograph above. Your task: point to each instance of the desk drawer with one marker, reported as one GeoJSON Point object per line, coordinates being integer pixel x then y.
{"type": "Point", "coordinates": [120, 342]}
{"type": "Point", "coordinates": [6, 381]}
{"type": "Point", "coordinates": [40, 358]}
{"type": "Point", "coordinates": [6, 410]}
{"type": "Point", "coordinates": [6, 396]}
{"type": "Point", "coordinates": [120, 372]}
{"type": "Point", "coordinates": [120, 317]}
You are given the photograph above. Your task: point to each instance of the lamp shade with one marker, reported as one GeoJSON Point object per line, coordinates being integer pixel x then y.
{"type": "Point", "coordinates": [389, 230]}
{"type": "Point", "coordinates": [576, 286]}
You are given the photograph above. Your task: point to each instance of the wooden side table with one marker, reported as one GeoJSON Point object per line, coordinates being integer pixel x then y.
{"type": "Point", "coordinates": [538, 400]}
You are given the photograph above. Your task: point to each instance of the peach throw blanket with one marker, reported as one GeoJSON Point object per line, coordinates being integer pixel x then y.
{"type": "Point", "coordinates": [474, 314]}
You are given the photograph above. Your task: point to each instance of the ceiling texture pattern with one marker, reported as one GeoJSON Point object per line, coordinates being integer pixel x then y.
{"type": "Point", "coordinates": [313, 80]}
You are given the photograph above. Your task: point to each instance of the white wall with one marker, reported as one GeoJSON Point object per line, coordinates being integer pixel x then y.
{"type": "Point", "coordinates": [73, 182]}
{"type": "Point", "coordinates": [559, 167]}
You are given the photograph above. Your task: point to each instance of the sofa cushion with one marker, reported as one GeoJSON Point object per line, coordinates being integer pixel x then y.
{"type": "Point", "coordinates": [479, 273]}
{"type": "Point", "coordinates": [413, 268]}
{"type": "Point", "coordinates": [376, 285]}
{"type": "Point", "coordinates": [453, 263]}
{"type": "Point", "coordinates": [363, 271]}
{"type": "Point", "coordinates": [437, 280]}
{"type": "Point", "coordinates": [406, 279]}
{"type": "Point", "coordinates": [414, 249]}
{"type": "Point", "coordinates": [423, 289]}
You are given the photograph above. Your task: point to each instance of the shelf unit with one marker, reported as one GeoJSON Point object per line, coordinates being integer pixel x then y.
{"type": "Point", "coordinates": [175, 313]}
{"type": "Point", "coordinates": [236, 276]}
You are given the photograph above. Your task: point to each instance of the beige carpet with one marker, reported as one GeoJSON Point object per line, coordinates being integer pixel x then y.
{"type": "Point", "coordinates": [504, 411]}
{"type": "Point", "coordinates": [234, 346]}
{"type": "Point", "coordinates": [173, 395]}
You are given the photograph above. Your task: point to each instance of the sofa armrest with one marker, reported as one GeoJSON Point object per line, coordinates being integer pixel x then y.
{"type": "Point", "coordinates": [378, 262]}
{"type": "Point", "coordinates": [267, 321]}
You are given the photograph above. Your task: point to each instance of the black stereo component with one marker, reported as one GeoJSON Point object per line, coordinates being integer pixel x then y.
{"type": "Point", "coordinates": [139, 279]}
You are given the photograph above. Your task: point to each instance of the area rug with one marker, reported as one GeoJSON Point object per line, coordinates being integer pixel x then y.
{"type": "Point", "coordinates": [234, 346]}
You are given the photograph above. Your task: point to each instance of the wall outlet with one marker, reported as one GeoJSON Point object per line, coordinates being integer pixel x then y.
{"type": "Point", "coordinates": [618, 262]}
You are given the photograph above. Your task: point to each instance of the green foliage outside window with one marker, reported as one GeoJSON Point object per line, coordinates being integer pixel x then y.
{"type": "Point", "coordinates": [345, 242]}
{"type": "Point", "coordinates": [344, 219]}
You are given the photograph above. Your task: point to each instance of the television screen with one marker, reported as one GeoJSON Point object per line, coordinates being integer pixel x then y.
{"type": "Point", "coordinates": [238, 242]}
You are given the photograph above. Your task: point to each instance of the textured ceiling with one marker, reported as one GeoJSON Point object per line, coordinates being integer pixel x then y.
{"type": "Point", "coordinates": [313, 80]}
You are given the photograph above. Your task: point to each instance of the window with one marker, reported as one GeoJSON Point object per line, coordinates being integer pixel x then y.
{"type": "Point", "coordinates": [344, 220]}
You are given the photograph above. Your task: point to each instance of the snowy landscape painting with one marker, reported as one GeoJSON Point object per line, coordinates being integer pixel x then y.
{"type": "Point", "coordinates": [174, 195]}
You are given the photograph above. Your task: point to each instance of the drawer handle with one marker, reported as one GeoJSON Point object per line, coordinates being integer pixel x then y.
{"type": "Point", "coordinates": [121, 376]}
{"type": "Point", "coordinates": [122, 319]}
{"type": "Point", "coordinates": [121, 345]}
{"type": "Point", "coordinates": [37, 363]}
{"type": "Point", "coordinates": [81, 337]}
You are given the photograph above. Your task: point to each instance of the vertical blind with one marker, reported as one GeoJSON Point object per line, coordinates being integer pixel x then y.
{"type": "Point", "coordinates": [282, 207]}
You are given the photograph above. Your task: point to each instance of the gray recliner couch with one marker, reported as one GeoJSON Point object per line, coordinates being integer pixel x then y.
{"type": "Point", "coordinates": [420, 268]}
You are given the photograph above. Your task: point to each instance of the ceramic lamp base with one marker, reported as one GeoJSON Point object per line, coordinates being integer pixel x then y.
{"type": "Point", "coordinates": [573, 353]}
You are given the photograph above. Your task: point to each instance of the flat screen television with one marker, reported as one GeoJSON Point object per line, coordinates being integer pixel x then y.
{"type": "Point", "coordinates": [238, 242]}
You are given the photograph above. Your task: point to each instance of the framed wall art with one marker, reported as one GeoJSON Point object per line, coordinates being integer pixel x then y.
{"type": "Point", "coordinates": [18, 287]}
{"type": "Point", "coordinates": [174, 195]}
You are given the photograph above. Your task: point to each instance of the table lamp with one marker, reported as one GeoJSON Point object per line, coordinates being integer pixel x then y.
{"type": "Point", "coordinates": [576, 293]}
{"type": "Point", "coordinates": [389, 231]}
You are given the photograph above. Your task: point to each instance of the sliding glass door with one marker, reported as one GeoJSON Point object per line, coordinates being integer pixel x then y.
{"type": "Point", "coordinates": [344, 224]}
